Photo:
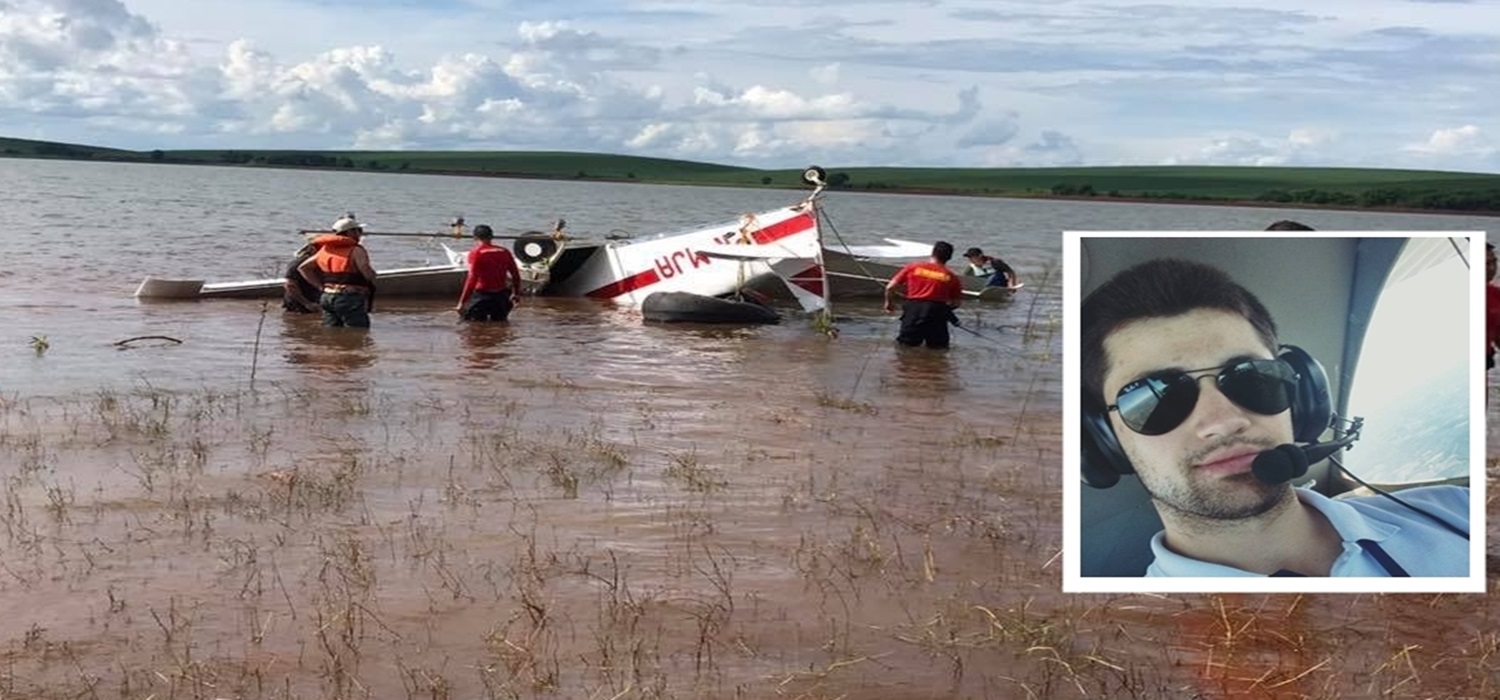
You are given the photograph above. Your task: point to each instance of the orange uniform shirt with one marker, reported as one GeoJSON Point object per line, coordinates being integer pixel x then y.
{"type": "Point", "coordinates": [929, 281]}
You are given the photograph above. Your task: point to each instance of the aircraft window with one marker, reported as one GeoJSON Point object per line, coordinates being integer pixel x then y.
{"type": "Point", "coordinates": [1412, 381]}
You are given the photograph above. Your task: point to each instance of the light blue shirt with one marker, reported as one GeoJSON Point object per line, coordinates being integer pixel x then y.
{"type": "Point", "coordinates": [1418, 545]}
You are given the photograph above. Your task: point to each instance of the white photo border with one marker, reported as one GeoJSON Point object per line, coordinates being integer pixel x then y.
{"type": "Point", "coordinates": [1073, 582]}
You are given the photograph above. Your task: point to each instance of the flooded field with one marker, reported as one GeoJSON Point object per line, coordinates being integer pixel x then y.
{"type": "Point", "coordinates": [595, 509]}
{"type": "Point", "coordinates": [577, 505]}
{"type": "Point", "coordinates": [648, 512]}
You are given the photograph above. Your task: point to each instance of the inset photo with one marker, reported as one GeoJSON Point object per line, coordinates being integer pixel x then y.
{"type": "Point", "coordinates": [1274, 411]}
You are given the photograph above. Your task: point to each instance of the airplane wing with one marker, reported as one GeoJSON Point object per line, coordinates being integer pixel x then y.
{"type": "Point", "coordinates": [896, 249]}
{"type": "Point", "coordinates": [455, 258]}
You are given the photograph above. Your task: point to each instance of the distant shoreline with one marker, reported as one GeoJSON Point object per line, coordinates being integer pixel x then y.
{"type": "Point", "coordinates": [881, 189]}
{"type": "Point", "coordinates": [1257, 204]}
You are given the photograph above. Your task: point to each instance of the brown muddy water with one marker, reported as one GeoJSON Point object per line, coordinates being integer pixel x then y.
{"type": "Point", "coordinates": [577, 505]}
{"type": "Point", "coordinates": [574, 505]}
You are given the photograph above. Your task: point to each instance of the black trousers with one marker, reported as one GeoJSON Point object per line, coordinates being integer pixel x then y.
{"type": "Point", "coordinates": [489, 306]}
{"type": "Point", "coordinates": [924, 322]}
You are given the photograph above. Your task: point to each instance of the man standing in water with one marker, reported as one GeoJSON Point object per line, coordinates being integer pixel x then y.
{"type": "Point", "coordinates": [1491, 316]}
{"type": "Point", "coordinates": [932, 293]}
{"type": "Point", "coordinates": [494, 280]}
{"type": "Point", "coordinates": [341, 268]}
{"type": "Point", "coordinates": [1149, 337]}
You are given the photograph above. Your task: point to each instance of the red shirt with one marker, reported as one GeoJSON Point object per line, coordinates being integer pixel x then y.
{"type": "Point", "coordinates": [929, 281]}
{"type": "Point", "coordinates": [489, 265]}
{"type": "Point", "coordinates": [1491, 315]}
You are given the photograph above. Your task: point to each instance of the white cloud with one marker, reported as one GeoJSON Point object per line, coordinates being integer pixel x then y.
{"type": "Point", "coordinates": [1311, 137]}
{"type": "Point", "coordinates": [904, 82]}
{"type": "Point", "coordinates": [825, 75]}
{"type": "Point", "coordinates": [1242, 150]}
{"type": "Point", "coordinates": [90, 56]}
{"type": "Point", "coordinates": [1048, 149]}
{"type": "Point", "coordinates": [991, 132]}
{"type": "Point", "coordinates": [1457, 141]}
{"type": "Point", "coordinates": [246, 71]}
{"type": "Point", "coordinates": [1299, 147]}
{"type": "Point", "coordinates": [1053, 148]}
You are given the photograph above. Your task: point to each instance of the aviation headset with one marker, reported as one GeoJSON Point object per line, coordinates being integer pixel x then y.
{"type": "Point", "coordinates": [1104, 461]}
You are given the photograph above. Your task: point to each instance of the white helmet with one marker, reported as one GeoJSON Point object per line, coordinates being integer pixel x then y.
{"type": "Point", "coordinates": [346, 223]}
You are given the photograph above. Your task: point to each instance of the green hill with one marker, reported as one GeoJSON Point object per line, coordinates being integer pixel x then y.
{"type": "Point", "coordinates": [552, 164]}
{"type": "Point", "coordinates": [25, 148]}
{"type": "Point", "coordinates": [1347, 187]}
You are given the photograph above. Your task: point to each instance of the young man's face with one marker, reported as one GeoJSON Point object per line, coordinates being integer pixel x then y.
{"type": "Point", "coordinates": [1201, 467]}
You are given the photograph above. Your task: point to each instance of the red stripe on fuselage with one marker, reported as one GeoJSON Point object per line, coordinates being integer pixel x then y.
{"type": "Point", "coordinates": [776, 232]}
{"type": "Point", "coordinates": [627, 285]}
{"type": "Point", "coordinates": [810, 279]}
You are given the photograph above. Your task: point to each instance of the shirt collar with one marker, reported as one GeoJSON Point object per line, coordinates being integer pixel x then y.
{"type": "Point", "coordinates": [1344, 518]}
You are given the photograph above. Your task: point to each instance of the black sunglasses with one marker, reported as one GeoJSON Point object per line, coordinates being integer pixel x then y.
{"type": "Point", "coordinates": [1157, 404]}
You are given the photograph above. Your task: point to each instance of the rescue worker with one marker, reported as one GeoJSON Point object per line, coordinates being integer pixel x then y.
{"type": "Point", "coordinates": [1491, 315]}
{"type": "Point", "coordinates": [999, 273]}
{"type": "Point", "coordinates": [932, 293]}
{"type": "Point", "coordinates": [494, 280]}
{"type": "Point", "coordinates": [341, 268]}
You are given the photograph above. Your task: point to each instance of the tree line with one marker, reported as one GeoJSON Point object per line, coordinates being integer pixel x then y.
{"type": "Point", "coordinates": [1487, 200]}
{"type": "Point", "coordinates": [1471, 200]}
{"type": "Point", "coordinates": [1379, 197]}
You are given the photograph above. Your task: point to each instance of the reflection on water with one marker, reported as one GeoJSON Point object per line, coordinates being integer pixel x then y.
{"type": "Point", "coordinates": [307, 344]}
{"type": "Point", "coordinates": [925, 371]}
{"type": "Point", "coordinates": [485, 343]}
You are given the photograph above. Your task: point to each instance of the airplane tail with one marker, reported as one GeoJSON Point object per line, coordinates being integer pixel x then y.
{"type": "Point", "coordinates": [807, 281]}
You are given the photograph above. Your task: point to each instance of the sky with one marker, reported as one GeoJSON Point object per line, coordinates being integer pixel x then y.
{"type": "Point", "coordinates": [773, 83]}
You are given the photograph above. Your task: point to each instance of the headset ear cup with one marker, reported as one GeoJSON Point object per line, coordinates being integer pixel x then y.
{"type": "Point", "coordinates": [1312, 409]}
{"type": "Point", "coordinates": [1103, 461]}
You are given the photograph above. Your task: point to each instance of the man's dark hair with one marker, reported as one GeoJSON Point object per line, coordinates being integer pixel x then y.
{"type": "Point", "coordinates": [1158, 289]}
{"type": "Point", "coordinates": [483, 232]}
{"type": "Point", "coordinates": [1289, 225]}
{"type": "Point", "coordinates": [943, 251]}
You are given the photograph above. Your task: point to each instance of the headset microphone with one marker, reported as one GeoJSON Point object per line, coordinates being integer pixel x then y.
{"type": "Point", "coordinates": [1284, 463]}
{"type": "Point", "coordinates": [1287, 462]}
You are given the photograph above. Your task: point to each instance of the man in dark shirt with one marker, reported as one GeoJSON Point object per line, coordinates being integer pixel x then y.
{"type": "Point", "coordinates": [298, 295]}
{"type": "Point", "coordinates": [999, 273]}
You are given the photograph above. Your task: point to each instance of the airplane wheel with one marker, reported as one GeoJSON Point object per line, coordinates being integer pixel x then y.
{"type": "Point", "coordinates": [814, 175]}
{"type": "Point", "coordinates": [530, 249]}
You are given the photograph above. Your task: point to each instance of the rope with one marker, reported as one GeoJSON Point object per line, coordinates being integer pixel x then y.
{"type": "Point", "coordinates": [126, 342]}
{"type": "Point", "coordinates": [823, 216]}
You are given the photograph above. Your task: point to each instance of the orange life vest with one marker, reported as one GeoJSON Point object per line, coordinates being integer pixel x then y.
{"type": "Point", "coordinates": [334, 261]}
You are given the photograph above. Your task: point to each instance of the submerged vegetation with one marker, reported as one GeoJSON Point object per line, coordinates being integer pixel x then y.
{"type": "Point", "coordinates": [556, 534]}
{"type": "Point", "coordinates": [416, 552]}
{"type": "Point", "coordinates": [1302, 187]}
